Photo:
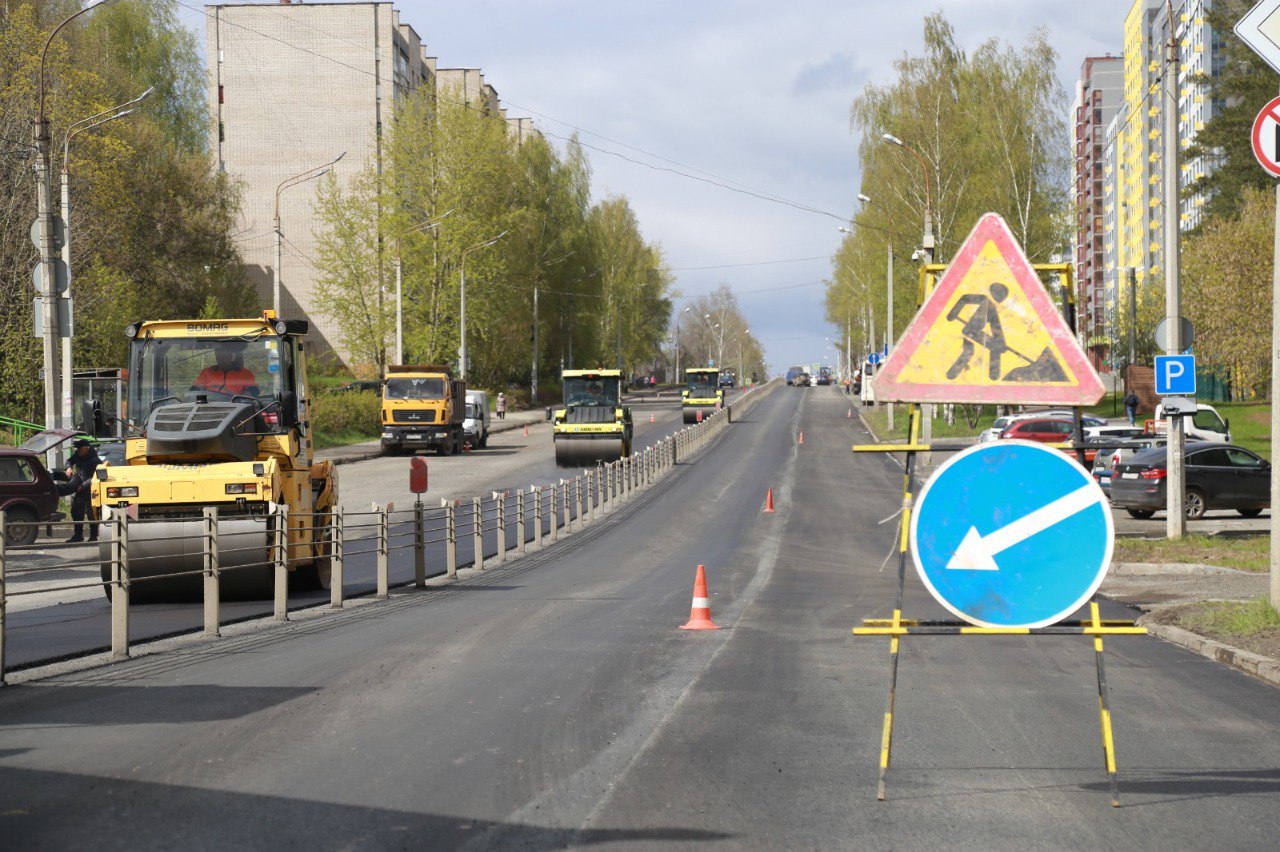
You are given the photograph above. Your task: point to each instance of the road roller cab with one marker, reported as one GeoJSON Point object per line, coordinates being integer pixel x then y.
{"type": "Point", "coordinates": [423, 407]}
{"type": "Point", "coordinates": [702, 392]}
{"type": "Point", "coordinates": [593, 425]}
{"type": "Point", "coordinates": [218, 415]}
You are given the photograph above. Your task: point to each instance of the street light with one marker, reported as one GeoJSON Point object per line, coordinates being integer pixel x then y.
{"type": "Point", "coordinates": [46, 230]}
{"type": "Point", "coordinates": [118, 111]}
{"type": "Point", "coordinates": [412, 229]}
{"type": "Point", "coordinates": [462, 349]}
{"type": "Point", "coordinates": [927, 243]}
{"type": "Point", "coordinates": [300, 177]}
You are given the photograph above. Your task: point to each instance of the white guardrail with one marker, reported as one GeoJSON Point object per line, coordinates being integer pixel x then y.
{"type": "Point", "coordinates": [540, 517]}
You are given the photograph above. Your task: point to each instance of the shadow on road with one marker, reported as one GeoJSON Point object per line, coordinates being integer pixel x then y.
{"type": "Point", "coordinates": [43, 706]}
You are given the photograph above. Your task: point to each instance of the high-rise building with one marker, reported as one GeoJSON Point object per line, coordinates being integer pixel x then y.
{"type": "Point", "coordinates": [1099, 93]}
{"type": "Point", "coordinates": [292, 86]}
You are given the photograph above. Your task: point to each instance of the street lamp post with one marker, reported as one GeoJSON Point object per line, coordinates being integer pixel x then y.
{"type": "Point", "coordinates": [46, 230]}
{"type": "Point", "coordinates": [412, 229]}
{"type": "Point", "coordinates": [118, 111]}
{"type": "Point", "coordinates": [462, 348]}
{"type": "Point", "coordinates": [300, 177]}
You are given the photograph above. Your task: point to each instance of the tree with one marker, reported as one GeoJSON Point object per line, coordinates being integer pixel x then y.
{"type": "Point", "coordinates": [1227, 279]}
{"type": "Point", "coordinates": [1243, 85]}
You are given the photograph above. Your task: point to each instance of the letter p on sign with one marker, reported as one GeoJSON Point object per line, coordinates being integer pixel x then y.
{"type": "Point", "coordinates": [1176, 375]}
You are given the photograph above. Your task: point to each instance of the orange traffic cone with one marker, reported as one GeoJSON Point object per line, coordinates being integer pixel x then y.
{"type": "Point", "coordinates": [652, 419]}
{"type": "Point", "coordinates": [700, 614]}
{"type": "Point", "coordinates": [699, 415]}
{"type": "Point", "coordinates": [768, 503]}
{"type": "Point", "coordinates": [801, 441]}
{"type": "Point", "coordinates": [526, 430]}
{"type": "Point", "coordinates": [850, 414]}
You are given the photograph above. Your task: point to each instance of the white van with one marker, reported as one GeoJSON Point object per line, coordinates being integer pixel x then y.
{"type": "Point", "coordinates": [1206, 425]}
{"type": "Point", "coordinates": [475, 426]}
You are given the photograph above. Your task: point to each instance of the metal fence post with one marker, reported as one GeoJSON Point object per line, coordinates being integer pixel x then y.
{"type": "Point", "coordinates": [477, 532]}
{"type": "Point", "coordinates": [212, 616]}
{"type": "Point", "coordinates": [551, 508]}
{"type": "Point", "coordinates": [120, 590]}
{"type": "Point", "coordinates": [537, 515]}
{"type": "Point", "coordinates": [522, 546]}
{"type": "Point", "coordinates": [384, 580]}
{"type": "Point", "coordinates": [3, 603]}
{"type": "Point", "coordinates": [419, 545]}
{"type": "Point", "coordinates": [337, 545]}
{"type": "Point", "coordinates": [282, 563]}
{"type": "Point", "coordinates": [451, 538]}
{"type": "Point", "coordinates": [501, 498]}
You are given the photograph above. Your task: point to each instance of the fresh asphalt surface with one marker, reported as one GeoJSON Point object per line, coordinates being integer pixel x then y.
{"type": "Point", "coordinates": [553, 703]}
{"type": "Point", "coordinates": [76, 628]}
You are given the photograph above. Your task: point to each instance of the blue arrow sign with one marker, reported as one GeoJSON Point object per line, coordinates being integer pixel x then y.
{"type": "Point", "coordinates": [1012, 534]}
{"type": "Point", "coordinates": [874, 359]}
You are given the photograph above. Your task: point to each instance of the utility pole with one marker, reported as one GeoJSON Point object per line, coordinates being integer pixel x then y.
{"type": "Point", "coordinates": [888, 334]}
{"type": "Point", "coordinates": [1176, 482]}
{"type": "Point", "coordinates": [533, 376]}
{"type": "Point", "coordinates": [1275, 409]}
{"type": "Point", "coordinates": [1133, 315]}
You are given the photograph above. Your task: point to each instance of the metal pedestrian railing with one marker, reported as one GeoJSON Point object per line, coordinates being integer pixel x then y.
{"type": "Point", "coordinates": [213, 554]}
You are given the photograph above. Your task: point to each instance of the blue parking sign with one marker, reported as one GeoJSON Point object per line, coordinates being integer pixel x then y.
{"type": "Point", "coordinates": [1012, 534]}
{"type": "Point", "coordinates": [1175, 375]}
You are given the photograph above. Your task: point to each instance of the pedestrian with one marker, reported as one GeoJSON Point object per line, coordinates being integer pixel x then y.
{"type": "Point", "coordinates": [501, 407]}
{"type": "Point", "coordinates": [84, 461]}
{"type": "Point", "coordinates": [1131, 407]}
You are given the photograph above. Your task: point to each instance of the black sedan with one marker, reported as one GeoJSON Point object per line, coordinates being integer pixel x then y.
{"type": "Point", "coordinates": [1219, 476]}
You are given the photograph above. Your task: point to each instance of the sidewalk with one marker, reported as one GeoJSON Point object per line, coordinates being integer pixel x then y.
{"type": "Point", "coordinates": [366, 450]}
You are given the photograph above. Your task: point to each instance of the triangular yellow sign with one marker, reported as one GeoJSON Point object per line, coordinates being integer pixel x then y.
{"type": "Point", "coordinates": [989, 333]}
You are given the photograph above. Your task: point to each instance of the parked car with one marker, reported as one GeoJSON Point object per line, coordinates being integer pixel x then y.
{"type": "Point", "coordinates": [1107, 458]}
{"type": "Point", "coordinates": [28, 493]}
{"type": "Point", "coordinates": [728, 378]}
{"type": "Point", "coordinates": [475, 426]}
{"type": "Point", "coordinates": [1099, 439]}
{"type": "Point", "coordinates": [1045, 430]}
{"type": "Point", "coordinates": [1219, 476]}
{"type": "Point", "coordinates": [1005, 421]}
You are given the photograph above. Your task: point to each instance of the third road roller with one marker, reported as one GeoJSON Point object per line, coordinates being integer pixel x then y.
{"type": "Point", "coordinates": [593, 425]}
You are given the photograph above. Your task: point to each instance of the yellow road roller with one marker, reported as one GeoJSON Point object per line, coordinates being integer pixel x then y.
{"type": "Point", "coordinates": [702, 392]}
{"type": "Point", "coordinates": [593, 425]}
{"type": "Point", "coordinates": [218, 415]}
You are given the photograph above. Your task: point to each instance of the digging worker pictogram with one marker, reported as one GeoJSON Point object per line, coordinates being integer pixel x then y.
{"type": "Point", "coordinates": [982, 328]}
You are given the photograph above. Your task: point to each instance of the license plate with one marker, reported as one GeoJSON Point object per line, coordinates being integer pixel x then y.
{"type": "Point", "coordinates": [414, 437]}
{"type": "Point", "coordinates": [1128, 476]}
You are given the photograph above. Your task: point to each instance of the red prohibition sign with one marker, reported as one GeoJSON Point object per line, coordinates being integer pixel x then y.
{"type": "Point", "coordinates": [1266, 137]}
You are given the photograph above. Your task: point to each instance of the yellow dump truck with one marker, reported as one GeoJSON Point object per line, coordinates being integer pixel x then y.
{"type": "Point", "coordinates": [422, 408]}
{"type": "Point", "coordinates": [702, 392]}
{"type": "Point", "coordinates": [221, 417]}
{"type": "Point", "coordinates": [593, 425]}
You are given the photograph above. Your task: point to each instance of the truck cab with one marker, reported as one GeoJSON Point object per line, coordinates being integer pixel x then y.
{"type": "Point", "coordinates": [423, 407]}
{"type": "Point", "coordinates": [1205, 425]}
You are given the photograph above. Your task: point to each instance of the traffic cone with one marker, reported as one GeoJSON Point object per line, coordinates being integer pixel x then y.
{"type": "Point", "coordinates": [801, 441]}
{"type": "Point", "coordinates": [700, 613]}
{"type": "Point", "coordinates": [768, 503]}
{"type": "Point", "coordinates": [652, 419]}
{"type": "Point", "coordinates": [850, 414]}
{"type": "Point", "coordinates": [526, 430]}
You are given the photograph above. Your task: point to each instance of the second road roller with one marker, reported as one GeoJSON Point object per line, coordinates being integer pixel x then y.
{"type": "Point", "coordinates": [593, 425]}
{"type": "Point", "coordinates": [220, 415]}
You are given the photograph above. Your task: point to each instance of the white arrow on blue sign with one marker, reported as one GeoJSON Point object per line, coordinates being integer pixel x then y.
{"type": "Point", "coordinates": [1012, 534]}
{"type": "Point", "coordinates": [1175, 375]}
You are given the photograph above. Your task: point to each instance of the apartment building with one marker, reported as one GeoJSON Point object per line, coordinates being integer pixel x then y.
{"type": "Point", "coordinates": [1099, 93]}
{"type": "Point", "coordinates": [291, 87]}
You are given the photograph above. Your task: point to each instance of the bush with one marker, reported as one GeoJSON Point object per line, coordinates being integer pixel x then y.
{"type": "Point", "coordinates": [343, 418]}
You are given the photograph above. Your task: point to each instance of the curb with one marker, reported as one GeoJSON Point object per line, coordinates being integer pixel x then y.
{"type": "Point", "coordinates": [1138, 569]}
{"type": "Point", "coordinates": [1263, 668]}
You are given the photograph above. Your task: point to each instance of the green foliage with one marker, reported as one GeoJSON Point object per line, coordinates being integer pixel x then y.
{"type": "Point", "coordinates": [1252, 553]}
{"type": "Point", "coordinates": [1227, 290]}
{"type": "Point", "coordinates": [1234, 619]}
{"type": "Point", "coordinates": [1243, 87]}
{"type": "Point", "coordinates": [345, 417]}
{"type": "Point", "coordinates": [987, 127]}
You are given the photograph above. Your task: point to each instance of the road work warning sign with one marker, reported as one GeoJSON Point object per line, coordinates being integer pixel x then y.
{"type": "Point", "coordinates": [989, 333]}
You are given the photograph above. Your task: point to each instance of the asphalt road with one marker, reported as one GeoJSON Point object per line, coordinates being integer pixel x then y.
{"type": "Point", "coordinates": [56, 625]}
{"type": "Point", "coordinates": [553, 703]}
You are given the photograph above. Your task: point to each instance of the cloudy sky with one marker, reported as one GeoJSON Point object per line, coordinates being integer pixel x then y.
{"type": "Point", "coordinates": [750, 93]}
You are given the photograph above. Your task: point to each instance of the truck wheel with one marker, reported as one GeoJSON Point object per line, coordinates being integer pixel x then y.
{"type": "Point", "coordinates": [20, 527]}
{"type": "Point", "coordinates": [484, 442]}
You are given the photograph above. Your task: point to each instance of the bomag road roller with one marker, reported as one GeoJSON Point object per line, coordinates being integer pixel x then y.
{"type": "Point", "coordinates": [702, 392]}
{"type": "Point", "coordinates": [221, 417]}
{"type": "Point", "coordinates": [593, 425]}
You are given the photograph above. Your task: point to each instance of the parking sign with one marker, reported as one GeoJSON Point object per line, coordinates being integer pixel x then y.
{"type": "Point", "coordinates": [1175, 375]}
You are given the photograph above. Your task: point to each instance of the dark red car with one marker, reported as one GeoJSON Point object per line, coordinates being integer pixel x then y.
{"type": "Point", "coordinates": [1047, 430]}
{"type": "Point", "coordinates": [27, 495]}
